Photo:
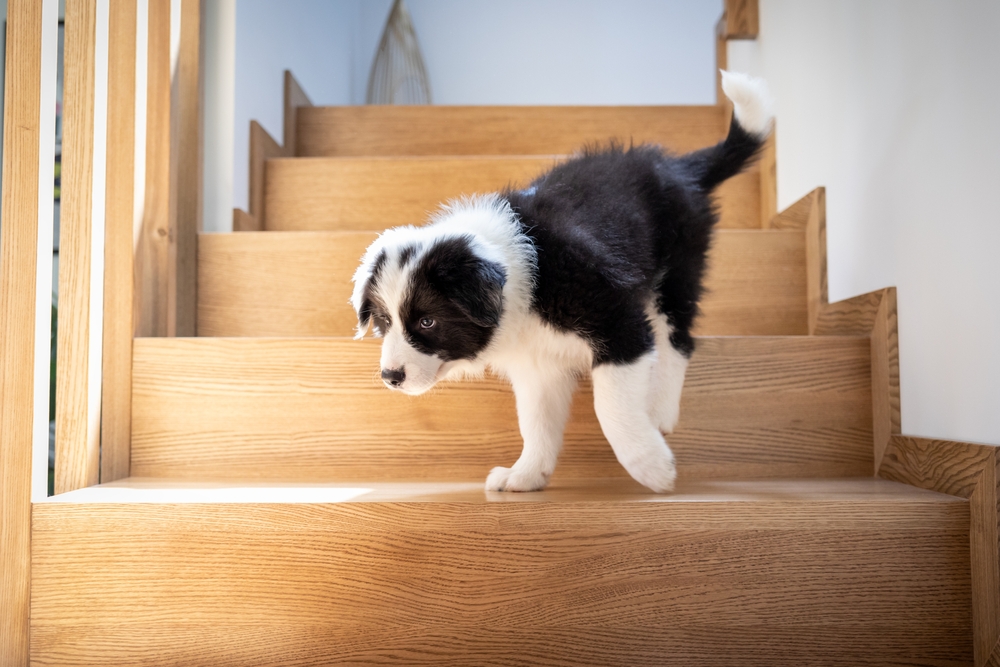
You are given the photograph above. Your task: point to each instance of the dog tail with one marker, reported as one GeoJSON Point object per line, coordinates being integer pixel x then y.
{"type": "Point", "coordinates": [752, 122]}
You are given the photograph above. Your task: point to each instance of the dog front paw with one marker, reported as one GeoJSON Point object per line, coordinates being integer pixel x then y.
{"type": "Point", "coordinates": [511, 479]}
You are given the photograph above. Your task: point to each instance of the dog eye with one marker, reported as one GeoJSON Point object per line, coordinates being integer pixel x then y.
{"type": "Point", "coordinates": [426, 322]}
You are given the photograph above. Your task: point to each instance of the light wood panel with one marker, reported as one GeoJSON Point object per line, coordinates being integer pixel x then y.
{"type": "Point", "coordinates": [968, 471]}
{"type": "Point", "coordinates": [315, 408]}
{"type": "Point", "coordinates": [742, 19]}
{"type": "Point", "coordinates": [445, 575]}
{"type": "Point", "coordinates": [767, 167]}
{"type": "Point", "coordinates": [185, 173]}
{"type": "Point", "coordinates": [376, 193]}
{"type": "Point", "coordinates": [152, 252]}
{"type": "Point", "coordinates": [263, 147]}
{"type": "Point", "coordinates": [116, 393]}
{"type": "Point", "coordinates": [244, 222]}
{"type": "Point", "coordinates": [77, 401]}
{"type": "Point", "coordinates": [885, 374]}
{"type": "Point", "coordinates": [299, 283]}
{"type": "Point", "coordinates": [294, 97]}
{"type": "Point", "coordinates": [483, 130]}
{"type": "Point", "coordinates": [18, 266]}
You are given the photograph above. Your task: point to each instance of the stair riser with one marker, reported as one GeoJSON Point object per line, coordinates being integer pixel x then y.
{"type": "Point", "coordinates": [382, 582]}
{"type": "Point", "coordinates": [373, 194]}
{"type": "Point", "coordinates": [299, 283]}
{"type": "Point", "coordinates": [315, 409]}
{"type": "Point", "coordinates": [373, 130]}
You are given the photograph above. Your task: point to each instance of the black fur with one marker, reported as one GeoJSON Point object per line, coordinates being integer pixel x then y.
{"type": "Point", "coordinates": [618, 227]}
{"type": "Point", "coordinates": [461, 292]}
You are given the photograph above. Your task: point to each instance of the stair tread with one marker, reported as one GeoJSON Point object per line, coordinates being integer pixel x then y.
{"type": "Point", "coordinates": [849, 490]}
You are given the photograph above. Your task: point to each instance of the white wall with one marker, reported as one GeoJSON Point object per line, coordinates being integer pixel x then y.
{"type": "Point", "coordinates": [892, 105]}
{"type": "Point", "coordinates": [313, 38]}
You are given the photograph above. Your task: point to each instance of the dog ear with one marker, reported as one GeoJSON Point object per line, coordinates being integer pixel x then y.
{"type": "Point", "coordinates": [365, 279]}
{"type": "Point", "coordinates": [473, 284]}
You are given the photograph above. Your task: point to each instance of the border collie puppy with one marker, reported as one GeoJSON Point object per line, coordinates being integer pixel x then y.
{"type": "Point", "coordinates": [596, 268]}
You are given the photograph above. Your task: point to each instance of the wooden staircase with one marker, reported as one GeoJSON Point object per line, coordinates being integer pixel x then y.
{"type": "Point", "coordinates": [284, 508]}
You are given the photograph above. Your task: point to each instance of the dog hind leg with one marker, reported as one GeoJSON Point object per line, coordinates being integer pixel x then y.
{"type": "Point", "coordinates": [668, 377]}
{"type": "Point", "coordinates": [543, 400]}
{"type": "Point", "coordinates": [621, 401]}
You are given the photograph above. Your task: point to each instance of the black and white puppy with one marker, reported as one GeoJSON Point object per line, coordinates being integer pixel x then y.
{"type": "Point", "coordinates": [596, 268]}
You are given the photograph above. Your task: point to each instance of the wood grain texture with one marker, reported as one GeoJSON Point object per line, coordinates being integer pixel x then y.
{"type": "Point", "coordinates": [18, 267]}
{"type": "Point", "coordinates": [484, 130]}
{"type": "Point", "coordinates": [119, 267]}
{"type": "Point", "coordinates": [185, 174]}
{"type": "Point", "coordinates": [742, 19]}
{"type": "Point", "coordinates": [457, 578]}
{"type": "Point", "coordinates": [244, 222]}
{"type": "Point", "coordinates": [768, 169]}
{"type": "Point", "coordinates": [299, 283]}
{"type": "Point", "coordinates": [78, 442]}
{"type": "Point", "coordinates": [263, 147]}
{"type": "Point", "coordinates": [152, 251]}
{"type": "Point", "coordinates": [293, 98]}
{"type": "Point", "coordinates": [968, 471]}
{"type": "Point", "coordinates": [376, 193]}
{"type": "Point", "coordinates": [885, 375]}
{"type": "Point", "coordinates": [817, 294]}
{"type": "Point", "coordinates": [795, 216]}
{"type": "Point", "coordinates": [315, 408]}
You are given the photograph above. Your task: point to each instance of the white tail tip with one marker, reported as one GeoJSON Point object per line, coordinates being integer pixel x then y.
{"type": "Point", "coordinates": [753, 107]}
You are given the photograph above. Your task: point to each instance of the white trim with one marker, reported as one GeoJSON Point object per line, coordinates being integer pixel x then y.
{"type": "Point", "coordinates": [219, 51]}
{"type": "Point", "coordinates": [43, 268]}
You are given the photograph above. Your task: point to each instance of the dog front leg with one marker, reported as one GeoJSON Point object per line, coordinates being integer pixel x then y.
{"type": "Point", "coordinates": [543, 402]}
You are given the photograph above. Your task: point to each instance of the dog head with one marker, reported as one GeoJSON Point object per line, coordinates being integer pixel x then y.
{"type": "Point", "coordinates": [435, 298]}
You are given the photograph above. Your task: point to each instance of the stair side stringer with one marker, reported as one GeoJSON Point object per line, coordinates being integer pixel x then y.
{"type": "Point", "coordinates": [970, 471]}
{"type": "Point", "coordinates": [263, 147]}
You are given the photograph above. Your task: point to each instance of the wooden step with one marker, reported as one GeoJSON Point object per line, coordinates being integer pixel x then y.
{"type": "Point", "coordinates": [299, 283]}
{"type": "Point", "coordinates": [315, 409]}
{"type": "Point", "coordinates": [366, 193]}
{"type": "Point", "coordinates": [484, 130]}
{"type": "Point", "coordinates": [769, 573]}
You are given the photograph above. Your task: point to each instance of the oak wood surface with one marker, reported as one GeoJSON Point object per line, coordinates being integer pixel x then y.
{"type": "Point", "coordinates": [885, 375]}
{"type": "Point", "coordinates": [742, 19]}
{"type": "Point", "coordinates": [244, 222]}
{"type": "Point", "coordinates": [185, 173]}
{"type": "Point", "coordinates": [768, 175]}
{"type": "Point", "coordinates": [293, 98]}
{"type": "Point", "coordinates": [18, 267]}
{"type": "Point", "coordinates": [77, 401]}
{"type": "Point", "coordinates": [152, 252]}
{"type": "Point", "coordinates": [116, 391]}
{"type": "Point", "coordinates": [376, 193]}
{"type": "Point", "coordinates": [733, 571]}
{"type": "Point", "coordinates": [485, 130]}
{"type": "Point", "coordinates": [299, 283]}
{"type": "Point", "coordinates": [315, 408]}
{"type": "Point", "coordinates": [263, 147]}
{"type": "Point", "coordinates": [968, 471]}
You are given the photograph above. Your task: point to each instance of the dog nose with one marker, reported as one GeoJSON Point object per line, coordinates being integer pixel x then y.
{"type": "Point", "coordinates": [394, 376]}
